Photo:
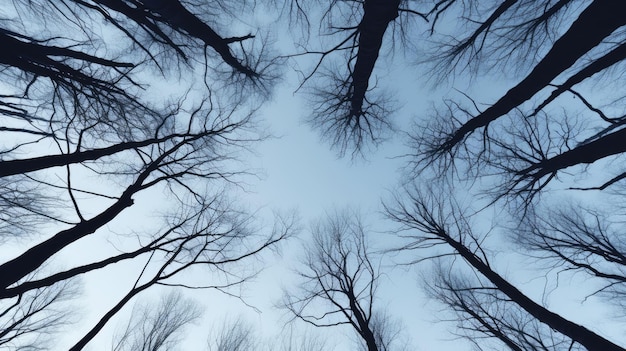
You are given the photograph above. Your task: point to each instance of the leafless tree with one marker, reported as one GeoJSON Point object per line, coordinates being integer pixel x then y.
{"type": "Point", "coordinates": [215, 242]}
{"type": "Point", "coordinates": [236, 335]}
{"type": "Point", "coordinates": [482, 313]}
{"type": "Point", "coordinates": [157, 327]}
{"type": "Point", "coordinates": [546, 136]}
{"type": "Point", "coordinates": [557, 130]}
{"type": "Point", "coordinates": [30, 320]}
{"type": "Point", "coordinates": [348, 109]}
{"type": "Point", "coordinates": [240, 335]}
{"type": "Point", "coordinates": [579, 239]}
{"type": "Point", "coordinates": [431, 219]}
{"type": "Point", "coordinates": [493, 34]}
{"type": "Point", "coordinates": [88, 136]}
{"type": "Point", "coordinates": [339, 280]}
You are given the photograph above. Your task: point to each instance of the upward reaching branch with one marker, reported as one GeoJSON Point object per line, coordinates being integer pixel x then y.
{"type": "Point", "coordinates": [424, 217]}
{"type": "Point", "coordinates": [584, 34]}
{"type": "Point", "coordinates": [340, 279]}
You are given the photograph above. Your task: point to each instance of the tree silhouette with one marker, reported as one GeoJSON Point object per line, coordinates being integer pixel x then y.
{"type": "Point", "coordinates": [340, 278]}
{"type": "Point", "coordinates": [347, 109]}
{"type": "Point", "coordinates": [430, 219]}
{"type": "Point", "coordinates": [526, 157]}
{"type": "Point", "coordinates": [157, 327]}
{"type": "Point", "coordinates": [115, 107]}
{"type": "Point", "coordinates": [89, 135]}
{"type": "Point", "coordinates": [30, 320]}
{"type": "Point", "coordinates": [532, 156]}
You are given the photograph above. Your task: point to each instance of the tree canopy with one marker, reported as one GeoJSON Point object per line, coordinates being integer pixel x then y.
{"type": "Point", "coordinates": [144, 110]}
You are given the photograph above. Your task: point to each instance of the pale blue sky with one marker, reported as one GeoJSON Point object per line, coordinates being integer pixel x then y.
{"type": "Point", "coordinates": [300, 172]}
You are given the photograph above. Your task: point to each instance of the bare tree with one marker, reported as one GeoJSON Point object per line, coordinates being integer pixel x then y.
{"type": "Point", "coordinates": [30, 320]}
{"type": "Point", "coordinates": [236, 335]}
{"type": "Point", "coordinates": [339, 280]}
{"type": "Point", "coordinates": [157, 327]}
{"type": "Point", "coordinates": [88, 136]}
{"type": "Point", "coordinates": [431, 219]}
{"type": "Point", "coordinates": [579, 239]}
{"type": "Point", "coordinates": [216, 242]}
{"type": "Point", "coordinates": [544, 40]}
{"type": "Point", "coordinates": [482, 314]}
{"type": "Point", "coordinates": [347, 108]}
{"type": "Point", "coordinates": [494, 34]}
{"type": "Point", "coordinates": [557, 130]}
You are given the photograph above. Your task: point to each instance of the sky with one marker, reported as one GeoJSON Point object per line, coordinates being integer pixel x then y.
{"type": "Point", "coordinates": [299, 172]}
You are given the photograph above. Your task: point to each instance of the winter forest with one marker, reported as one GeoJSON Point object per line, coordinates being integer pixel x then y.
{"type": "Point", "coordinates": [375, 175]}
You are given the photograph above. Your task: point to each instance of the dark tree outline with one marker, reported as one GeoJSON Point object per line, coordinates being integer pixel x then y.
{"type": "Point", "coordinates": [552, 155]}
{"type": "Point", "coordinates": [428, 220]}
{"type": "Point", "coordinates": [154, 17]}
{"type": "Point", "coordinates": [562, 55]}
{"type": "Point", "coordinates": [528, 150]}
{"type": "Point", "coordinates": [339, 271]}
{"type": "Point", "coordinates": [207, 245]}
{"type": "Point", "coordinates": [159, 155]}
{"type": "Point", "coordinates": [34, 257]}
{"type": "Point", "coordinates": [511, 31]}
{"type": "Point", "coordinates": [157, 326]}
{"type": "Point", "coordinates": [349, 113]}
{"type": "Point", "coordinates": [482, 312]}
{"type": "Point", "coordinates": [37, 315]}
{"type": "Point", "coordinates": [86, 86]}
{"type": "Point", "coordinates": [77, 94]}
{"type": "Point", "coordinates": [577, 239]}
